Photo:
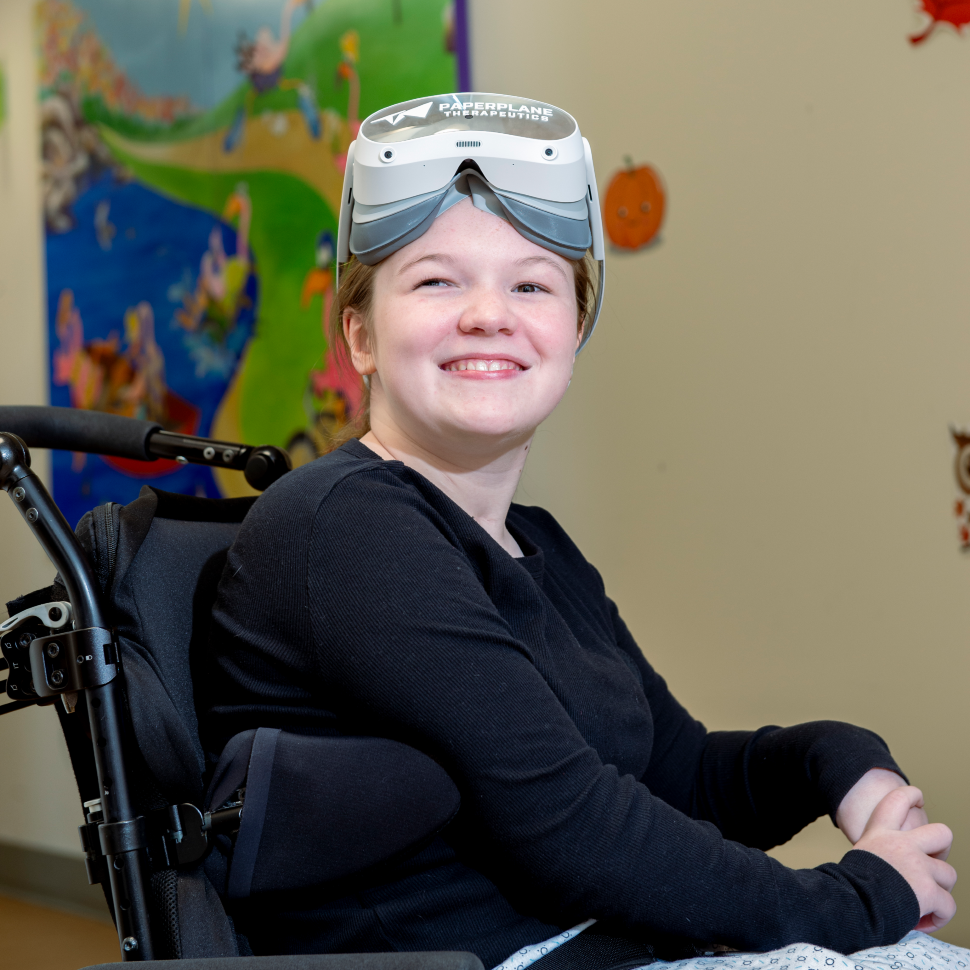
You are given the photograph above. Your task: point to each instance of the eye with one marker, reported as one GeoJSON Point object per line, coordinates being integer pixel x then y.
{"type": "Point", "coordinates": [432, 282]}
{"type": "Point", "coordinates": [528, 288]}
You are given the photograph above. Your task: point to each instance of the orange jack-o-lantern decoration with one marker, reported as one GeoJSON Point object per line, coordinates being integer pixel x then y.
{"type": "Point", "coordinates": [633, 210]}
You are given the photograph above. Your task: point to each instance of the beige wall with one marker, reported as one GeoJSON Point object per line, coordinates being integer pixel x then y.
{"type": "Point", "coordinates": [754, 450]}
{"type": "Point", "coordinates": [38, 800]}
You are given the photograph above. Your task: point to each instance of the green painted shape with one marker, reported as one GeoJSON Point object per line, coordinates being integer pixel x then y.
{"type": "Point", "coordinates": [287, 216]}
{"type": "Point", "coordinates": [397, 61]}
{"type": "Point", "coordinates": [97, 112]}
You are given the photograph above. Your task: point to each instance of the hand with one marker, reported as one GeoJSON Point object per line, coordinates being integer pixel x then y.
{"type": "Point", "coordinates": [916, 854]}
{"type": "Point", "coordinates": [862, 798]}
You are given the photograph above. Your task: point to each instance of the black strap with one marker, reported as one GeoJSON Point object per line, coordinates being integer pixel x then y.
{"type": "Point", "coordinates": [251, 826]}
{"type": "Point", "coordinates": [602, 948]}
{"type": "Point", "coordinates": [597, 951]}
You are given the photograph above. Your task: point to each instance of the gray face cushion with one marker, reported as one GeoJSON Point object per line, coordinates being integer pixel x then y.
{"type": "Point", "coordinates": [377, 231]}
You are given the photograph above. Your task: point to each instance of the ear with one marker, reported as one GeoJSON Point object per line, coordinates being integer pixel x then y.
{"type": "Point", "coordinates": [582, 330]}
{"type": "Point", "coordinates": [358, 340]}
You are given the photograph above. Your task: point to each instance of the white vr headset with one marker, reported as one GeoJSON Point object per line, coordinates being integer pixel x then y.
{"type": "Point", "coordinates": [521, 160]}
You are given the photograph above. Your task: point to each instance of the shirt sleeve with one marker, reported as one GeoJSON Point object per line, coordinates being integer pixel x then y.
{"type": "Point", "coordinates": [408, 639]}
{"type": "Point", "coordinates": [758, 787]}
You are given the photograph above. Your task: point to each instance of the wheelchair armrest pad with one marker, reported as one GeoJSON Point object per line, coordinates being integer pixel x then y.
{"type": "Point", "coordinates": [318, 809]}
{"type": "Point", "coordinates": [443, 960]}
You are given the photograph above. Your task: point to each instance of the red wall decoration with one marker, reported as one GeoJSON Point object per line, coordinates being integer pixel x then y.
{"type": "Point", "coordinates": [961, 471]}
{"type": "Point", "coordinates": [956, 13]}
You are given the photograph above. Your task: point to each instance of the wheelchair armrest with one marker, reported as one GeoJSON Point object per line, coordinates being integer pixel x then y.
{"type": "Point", "coordinates": [321, 808]}
{"type": "Point", "coordinates": [443, 960]}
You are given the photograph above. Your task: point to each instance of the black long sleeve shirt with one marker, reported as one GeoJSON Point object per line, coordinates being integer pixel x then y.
{"type": "Point", "coordinates": [358, 598]}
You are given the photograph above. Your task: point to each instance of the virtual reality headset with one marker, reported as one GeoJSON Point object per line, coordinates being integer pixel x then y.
{"type": "Point", "coordinates": [524, 161]}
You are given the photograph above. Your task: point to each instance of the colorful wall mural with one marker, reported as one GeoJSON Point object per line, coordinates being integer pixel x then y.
{"type": "Point", "coordinates": [193, 158]}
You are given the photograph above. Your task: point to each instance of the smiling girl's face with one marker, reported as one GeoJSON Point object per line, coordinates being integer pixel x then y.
{"type": "Point", "coordinates": [472, 336]}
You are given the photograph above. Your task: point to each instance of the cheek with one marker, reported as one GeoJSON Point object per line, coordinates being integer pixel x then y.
{"type": "Point", "coordinates": [404, 341]}
{"type": "Point", "coordinates": [558, 338]}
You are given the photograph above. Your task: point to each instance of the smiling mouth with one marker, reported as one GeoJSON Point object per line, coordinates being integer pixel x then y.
{"type": "Point", "coordinates": [477, 364]}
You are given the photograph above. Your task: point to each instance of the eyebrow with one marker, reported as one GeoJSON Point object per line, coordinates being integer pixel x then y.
{"type": "Point", "coordinates": [429, 258]}
{"type": "Point", "coordinates": [543, 259]}
{"type": "Point", "coordinates": [448, 258]}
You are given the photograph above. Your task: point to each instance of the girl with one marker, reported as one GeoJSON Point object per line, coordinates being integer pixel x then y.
{"type": "Point", "coordinates": [391, 588]}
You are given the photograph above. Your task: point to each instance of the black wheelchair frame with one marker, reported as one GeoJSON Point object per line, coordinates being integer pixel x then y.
{"type": "Point", "coordinates": [55, 651]}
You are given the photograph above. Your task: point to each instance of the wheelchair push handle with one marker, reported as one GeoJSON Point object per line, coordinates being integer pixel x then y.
{"type": "Point", "coordinates": [72, 429]}
{"type": "Point", "coordinates": [98, 433]}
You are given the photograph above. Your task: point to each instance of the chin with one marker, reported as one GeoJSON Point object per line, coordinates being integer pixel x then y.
{"type": "Point", "coordinates": [489, 432]}
{"type": "Point", "coordinates": [500, 414]}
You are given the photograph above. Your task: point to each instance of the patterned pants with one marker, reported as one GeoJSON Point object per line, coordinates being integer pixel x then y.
{"type": "Point", "coordinates": [915, 951]}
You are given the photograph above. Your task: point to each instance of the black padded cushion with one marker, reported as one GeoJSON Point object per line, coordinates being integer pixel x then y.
{"type": "Point", "coordinates": [321, 808]}
{"type": "Point", "coordinates": [170, 554]}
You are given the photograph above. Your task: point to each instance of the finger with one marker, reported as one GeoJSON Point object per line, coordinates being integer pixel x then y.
{"type": "Point", "coordinates": [942, 855]}
{"type": "Point", "coordinates": [930, 924]}
{"type": "Point", "coordinates": [943, 874]}
{"type": "Point", "coordinates": [915, 818]}
{"type": "Point", "coordinates": [933, 838]}
{"type": "Point", "coordinates": [943, 910]}
{"type": "Point", "coordinates": [891, 812]}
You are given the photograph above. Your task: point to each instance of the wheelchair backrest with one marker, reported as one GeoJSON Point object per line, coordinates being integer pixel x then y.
{"type": "Point", "coordinates": [159, 560]}
{"type": "Point", "coordinates": [317, 808]}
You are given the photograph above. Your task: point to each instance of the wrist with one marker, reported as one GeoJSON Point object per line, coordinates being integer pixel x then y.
{"type": "Point", "coordinates": [855, 808]}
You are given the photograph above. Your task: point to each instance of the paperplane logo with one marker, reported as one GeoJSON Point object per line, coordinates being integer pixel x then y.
{"type": "Point", "coordinates": [421, 111]}
{"type": "Point", "coordinates": [490, 109]}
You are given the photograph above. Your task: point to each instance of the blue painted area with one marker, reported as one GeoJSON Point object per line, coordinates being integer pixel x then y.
{"type": "Point", "coordinates": [200, 63]}
{"type": "Point", "coordinates": [148, 248]}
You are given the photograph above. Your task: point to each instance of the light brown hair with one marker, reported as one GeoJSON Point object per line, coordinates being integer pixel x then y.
{"type": "Point", "coordinates": [356, 291]}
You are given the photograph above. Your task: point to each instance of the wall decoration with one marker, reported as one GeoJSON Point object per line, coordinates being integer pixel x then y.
{"type": "Point", "coordinates": [634, 205]}
{"type": "Point", "coordinates": [193, 158]}
{"type": "Point", "coordinates": [961, 471]}
{"type": "Point", "coordinates": [956, 13]}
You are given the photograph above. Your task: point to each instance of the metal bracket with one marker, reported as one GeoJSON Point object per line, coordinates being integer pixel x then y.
{"type": "Point", "coordinates": [175, 836]}
{"type": "Point", "coordinates": [16, 635]}
{"type": "Point", "coordinates": [73, 660]}
{"type": "Point", "coordinates": [15, 650]}
{"type": "Point", "coordinates": [118, 837]}
{"type": "Point", "coordinates": [52, 615]}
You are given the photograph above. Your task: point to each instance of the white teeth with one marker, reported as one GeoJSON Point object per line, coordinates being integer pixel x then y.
{"type": "Point", "coordinates": [482, 365]}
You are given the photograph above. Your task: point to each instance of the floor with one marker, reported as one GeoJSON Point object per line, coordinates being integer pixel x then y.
{"type": "Point", "coordinates": [37, 938]}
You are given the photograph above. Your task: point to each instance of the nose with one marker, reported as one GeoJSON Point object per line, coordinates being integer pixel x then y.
{"type": "Point", "coordinates": [486, 314]}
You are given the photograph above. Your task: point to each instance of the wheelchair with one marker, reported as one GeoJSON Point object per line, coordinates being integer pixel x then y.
{"type": "Point", "coordinates": [117, 647]}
